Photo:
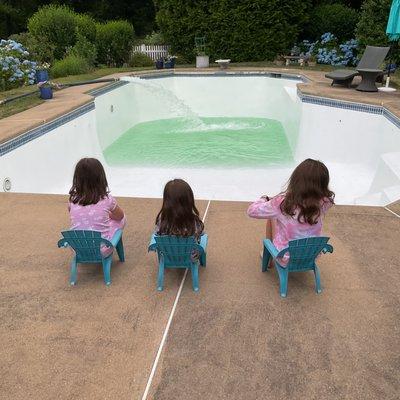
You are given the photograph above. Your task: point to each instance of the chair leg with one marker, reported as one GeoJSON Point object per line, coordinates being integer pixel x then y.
{"type": "Point", "coordinates": [265, 260]}
{"type": "Point", "coordinates": [203, 259]}
{"type": "Point", "coordinates": [160, 278]}
{"type": "Point", "coordinates": [107, 269]}
{"type": "Point", "coordinates": [195, 277]}
{"type": "Point", "coordinates": [120, 250]}
{"type": "Point", "coordinates": [283, 282]}
{"type": "Point", "coordinates": [317, 280]}
{"type": "Point", "coordinates": [73, 272]}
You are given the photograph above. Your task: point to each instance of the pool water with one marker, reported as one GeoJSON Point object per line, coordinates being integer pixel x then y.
{"type": "Point", "coordinates": [212, 141]}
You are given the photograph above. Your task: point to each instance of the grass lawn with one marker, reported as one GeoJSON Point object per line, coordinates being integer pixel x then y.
{"type": "Point", "coordinates": [33, 100]}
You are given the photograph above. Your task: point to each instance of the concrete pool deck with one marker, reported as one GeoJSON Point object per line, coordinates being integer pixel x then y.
{"type": "Point", "coordinates": [235, 339]}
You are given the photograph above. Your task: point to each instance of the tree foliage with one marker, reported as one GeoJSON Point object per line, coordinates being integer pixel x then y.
{"type": "Point", "coordinates": [240, 30]}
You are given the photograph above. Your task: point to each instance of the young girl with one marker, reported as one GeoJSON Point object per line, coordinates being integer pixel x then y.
{"type": "Point", "coordinates": [297, 213]}
{"type": "Point", "coordinates": [91, 207]}
{"type": "Point", "coordinates": [179, 215]}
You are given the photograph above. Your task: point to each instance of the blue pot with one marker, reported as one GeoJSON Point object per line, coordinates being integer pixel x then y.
{"type": "Point", "coordinates": [46, 93]}
{"type": "Point", "coordinates": [42, 75]}
{"type": "Point", "coordinates": [169, 64]}
{"type": "Point", "coordinates": [159, 64]}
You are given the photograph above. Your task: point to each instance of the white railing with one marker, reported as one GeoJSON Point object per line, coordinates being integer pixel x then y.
{"type": "Point", "coordinates": [153, 51]}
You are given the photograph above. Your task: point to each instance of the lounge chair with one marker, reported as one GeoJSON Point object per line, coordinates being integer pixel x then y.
{"type": "Point", "coordinates": [86, 245]}
{"type": "Point", "coordinates": [371, 60]}
{"type": "Point", "coordinates": [177, 252]}
{"type": "Point", "coordinates": [302, 255]}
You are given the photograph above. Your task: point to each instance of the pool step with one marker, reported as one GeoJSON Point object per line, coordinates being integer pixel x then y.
{"type": "Point", "coordinates": [388, 172]}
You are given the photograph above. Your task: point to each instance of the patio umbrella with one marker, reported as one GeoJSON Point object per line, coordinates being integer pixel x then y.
{"type": "Point", "coordinates": [393, 29]}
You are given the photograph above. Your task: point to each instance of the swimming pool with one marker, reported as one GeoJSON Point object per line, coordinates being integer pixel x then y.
{"type": "Point", "coordinates": [232, 136]}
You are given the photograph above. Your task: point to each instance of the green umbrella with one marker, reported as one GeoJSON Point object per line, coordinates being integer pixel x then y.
{"type": "Point", "coordinates": [393, 26]}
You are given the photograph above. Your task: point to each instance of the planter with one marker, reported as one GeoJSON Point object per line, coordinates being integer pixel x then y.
{"type": "Point", "coordinates": [46, 93]}
{"type": "Point", "coordinates": [202, 61]}
{"type": "Point", "coordinates": [42, 75]}
{"type": "Point", "coordinates": [159, 64]}
{"type": "Point", "coordinates": [169, 64]}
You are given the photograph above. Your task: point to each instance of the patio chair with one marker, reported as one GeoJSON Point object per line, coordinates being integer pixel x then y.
{"type": "Point", "coordinates": [371, 60]}
{"type": "Point", "coordinates": [179, 252]}
{"type": "Point", "coordinates": [87, 246]}
{"type": "Point", "coordinates": [302, 255]}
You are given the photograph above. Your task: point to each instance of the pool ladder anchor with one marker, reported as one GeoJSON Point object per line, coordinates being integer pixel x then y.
{"type": "Point", "coordinates": [7, 184]}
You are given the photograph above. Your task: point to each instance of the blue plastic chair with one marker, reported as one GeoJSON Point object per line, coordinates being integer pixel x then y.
{"type": "Point", "coordinates": [177, 252]}
{"type": "Point", "coordinates": [86, 245]}
{"type": "Point", "coordinates": [302, 253]}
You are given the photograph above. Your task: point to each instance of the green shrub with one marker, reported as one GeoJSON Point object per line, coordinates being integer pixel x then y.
{"type": "Point", "coordinates": [40, 50]}
{"type": "Point", "coordinates": [242, 31]}
{"type": "Point", "coordinates": [70, 65]}
{"type": "Point", "coordinates": [153, 39]}
{"type": "Point", "coordinates": [114, 41]}
{"type": "Point", "coordinates": [371, 28]}
{"type": "Point", "coordinates": [55, 25]}
{"type": "Point", "coordinates": [85, 49]}
{"type": "Point", "coordinates": [140, 60]}
{"type": "Point", "coordinates": [86, 27]}
{"type": "Point", "coordinates": [335, 18]}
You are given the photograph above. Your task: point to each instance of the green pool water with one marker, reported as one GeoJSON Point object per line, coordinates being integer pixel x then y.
{"type": "Point", "coordinates": [202, 142]}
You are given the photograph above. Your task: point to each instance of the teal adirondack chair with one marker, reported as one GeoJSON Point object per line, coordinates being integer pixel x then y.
{"type": "Point", "coordinates": [176, 252]}
{"type": "Point", "coordinates": [302, 253]}
{"type": "Point", "coordinates": [86, 245]}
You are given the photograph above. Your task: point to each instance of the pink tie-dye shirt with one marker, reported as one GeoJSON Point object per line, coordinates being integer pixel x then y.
{"type": "Point", "coordinates": [96, 217]}
{"type": "Point", "coordinates": [287, 227]}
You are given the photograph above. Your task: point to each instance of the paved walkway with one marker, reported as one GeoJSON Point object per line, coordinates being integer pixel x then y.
{"type": "Point", "coordinates": [68, 99]}
{"type": "Point", "coordinates": [235, 339]}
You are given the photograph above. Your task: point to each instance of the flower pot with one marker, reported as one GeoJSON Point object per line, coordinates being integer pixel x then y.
{"type": "Point", "coordinates": [159, 64]}
{"type": "Point", "coordinates": [46, 93]}
{"type": "Point", "coordinates": [42, 75]}
{"type": "Point", "coordinates": [169, 64]}
{"type": "Point", "coordinates": [202, 61]}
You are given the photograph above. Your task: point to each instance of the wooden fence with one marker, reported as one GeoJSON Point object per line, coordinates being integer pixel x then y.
{"type": "Point", "coordinates": [154, 51]}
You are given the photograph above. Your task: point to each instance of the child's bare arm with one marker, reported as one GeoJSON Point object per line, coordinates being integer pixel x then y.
{"type": "Point", "coordinates": [117, 214]}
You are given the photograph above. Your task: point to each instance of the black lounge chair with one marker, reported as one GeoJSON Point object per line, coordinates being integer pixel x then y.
{"type": "Point", "coordinates": [371, 60]}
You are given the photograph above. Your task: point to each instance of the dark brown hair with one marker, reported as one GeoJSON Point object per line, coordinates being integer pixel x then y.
{"type": "Point", "coordinates": [307, 190]}
{"type": "Point", "coordinates": [89, 184]}
{"type": "Point", "coordinates": [178, 215]}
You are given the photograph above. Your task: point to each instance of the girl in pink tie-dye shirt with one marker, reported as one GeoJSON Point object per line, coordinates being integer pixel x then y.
{"type": "Point", "coordinates": [91, 207]}
{"type": "Point", "coordinates": [296, 213]}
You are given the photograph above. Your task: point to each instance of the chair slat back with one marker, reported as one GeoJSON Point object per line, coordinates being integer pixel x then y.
{"type": "Point", "coordinates": [303, 252]}
{"type": "Point", "coordinates": [176, 251]}
{"type": "Point", "coordinates": [86, 245]}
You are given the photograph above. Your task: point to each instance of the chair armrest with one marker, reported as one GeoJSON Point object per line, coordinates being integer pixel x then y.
{"type": "Point", "coordinates": [327, 249]}
{"type": "Point", "coordinates": [152, 244]}
{"type": "Point", "coordinates": [204, 241]}
{"type": "Point", "coordinates": [271, 248]}
{"type": "Point", "coordinates": [116, 238]}
{"type": "Point", "coordinates": [63, 243]}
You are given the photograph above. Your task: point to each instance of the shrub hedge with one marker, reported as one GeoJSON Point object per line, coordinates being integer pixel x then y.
{"type": "Point", "coordinates": [336, 18]}
{"type": "Point", "coordinates": [243, 31]}
{"type": "Point", "coordinates": [55, 25]}
{"type": "Point", "coordinates": [140, 60]}
{"type": "Point", "coordinates": [70, 65]}
{"type": "Point", "coordinates": [114, 40]}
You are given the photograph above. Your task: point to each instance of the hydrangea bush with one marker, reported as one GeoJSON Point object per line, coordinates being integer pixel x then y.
{"type": "Point", "coordinates": [15, 67]}
{"type": "Point", "coordinates": [327, 50]}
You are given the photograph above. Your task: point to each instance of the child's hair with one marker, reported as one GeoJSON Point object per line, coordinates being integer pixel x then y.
{"type": "Point", "coordinates": [178, 215]}
{"type": "Point", "coordinates": [307, 189]}
{"type": "Point", "coordinates": [89, 185]}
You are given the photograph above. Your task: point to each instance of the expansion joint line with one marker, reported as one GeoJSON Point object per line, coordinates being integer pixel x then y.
{"type": "Point", "coordinates": [171, 316]}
